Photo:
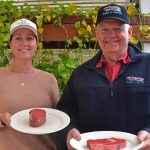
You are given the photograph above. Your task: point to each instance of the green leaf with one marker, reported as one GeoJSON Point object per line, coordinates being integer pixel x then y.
{"type": "Point", "coordinates": [78, 24]}
{"type": "Point", "coordinates": [133, 40]}
{"type": "Point", "coordinates": [84, 23]}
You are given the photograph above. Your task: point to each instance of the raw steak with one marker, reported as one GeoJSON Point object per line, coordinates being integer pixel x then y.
{"type": "Point", "coordinates": [37, 117]}
{"type": "Point", "coordinates": [106, 144]}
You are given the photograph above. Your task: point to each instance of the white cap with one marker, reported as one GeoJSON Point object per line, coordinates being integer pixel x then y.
{"type": "Point", "coordinates": [23, 23]}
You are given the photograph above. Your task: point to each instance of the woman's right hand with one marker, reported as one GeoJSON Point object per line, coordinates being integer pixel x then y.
{"type": "Point", "coordinates": [73, 133]}
{"type": "Point", "coordinates": [5, 119]}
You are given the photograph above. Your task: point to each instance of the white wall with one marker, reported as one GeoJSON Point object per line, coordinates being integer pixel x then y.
{"type": "Point", "coordinates": [144, 6]}
{"type": "Point", "coordinates": [146, 47]}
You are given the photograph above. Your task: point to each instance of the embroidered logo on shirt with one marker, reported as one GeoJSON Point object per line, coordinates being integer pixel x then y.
{"type": "Point", "coordinates": [132, 79]}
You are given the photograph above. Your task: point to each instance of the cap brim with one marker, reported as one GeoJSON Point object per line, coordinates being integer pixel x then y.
{"type": "Point", "coordinates": [26, 27]}
{"type": "Point", "coordinates": [115, 19]}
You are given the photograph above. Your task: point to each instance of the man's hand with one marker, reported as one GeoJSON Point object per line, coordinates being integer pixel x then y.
{"type": "Point", "coordinates": [144, 136]}
{"type": "Point", "coordinates": [5, 119]}
{"type": "Point", "coordinates": [73, 133]}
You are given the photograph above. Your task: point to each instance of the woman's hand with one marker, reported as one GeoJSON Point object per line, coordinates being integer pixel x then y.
{"type": "Point", "coordinates": [5, 119]}
{"type": "Point", "coordinates": [73, 133]}
{"type": "Point", "coordinates": [144, 136]}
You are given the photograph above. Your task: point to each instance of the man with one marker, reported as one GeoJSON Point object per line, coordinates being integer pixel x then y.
{"type": "Point", "coordinates": [110, 92]}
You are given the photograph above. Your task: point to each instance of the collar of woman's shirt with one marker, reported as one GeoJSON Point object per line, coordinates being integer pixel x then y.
{"type": "Point", "coordinates": [112, 70]}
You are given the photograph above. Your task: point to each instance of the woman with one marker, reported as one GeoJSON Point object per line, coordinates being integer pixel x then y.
{"type": "Point", "coordinates": [23, 87]}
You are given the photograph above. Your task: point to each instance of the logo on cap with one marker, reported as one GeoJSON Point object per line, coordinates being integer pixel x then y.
{"type": "Point", "coordinates": [23, 22]}
{"type": "Point", "coordinates": [111, 10]}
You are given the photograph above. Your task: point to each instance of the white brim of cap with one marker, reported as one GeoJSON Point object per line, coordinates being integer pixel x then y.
{"type": "Point", "coordinates": [22, 27]}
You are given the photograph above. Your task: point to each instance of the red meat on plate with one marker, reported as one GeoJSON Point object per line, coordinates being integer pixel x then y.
{"type": "Point", "coordinates": [106, 144]}
{"type": "Point", "coordinates": [37, 117]}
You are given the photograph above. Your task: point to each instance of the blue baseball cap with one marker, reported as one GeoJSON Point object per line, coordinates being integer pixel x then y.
{"type": "Point", "coordinates": [112, 11]}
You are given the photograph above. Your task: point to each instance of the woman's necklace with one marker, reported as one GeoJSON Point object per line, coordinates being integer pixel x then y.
{"type": "Point", "coordinates": [23, 73]}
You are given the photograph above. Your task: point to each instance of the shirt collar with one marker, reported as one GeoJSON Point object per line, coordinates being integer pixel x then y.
{"type": "Point", "coordinates": [125, 59]}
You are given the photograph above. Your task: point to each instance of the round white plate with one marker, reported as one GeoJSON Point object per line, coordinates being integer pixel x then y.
{"type": "Point", "coordinates": [132, 142]}
{"type": "Point", "coordinates": [55, 121]}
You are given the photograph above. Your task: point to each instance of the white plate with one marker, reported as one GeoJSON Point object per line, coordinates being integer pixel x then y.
{"type": "Point", "coordinates": [132, 142]}
{"type": "Point", "coordinates": [55, 121]}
